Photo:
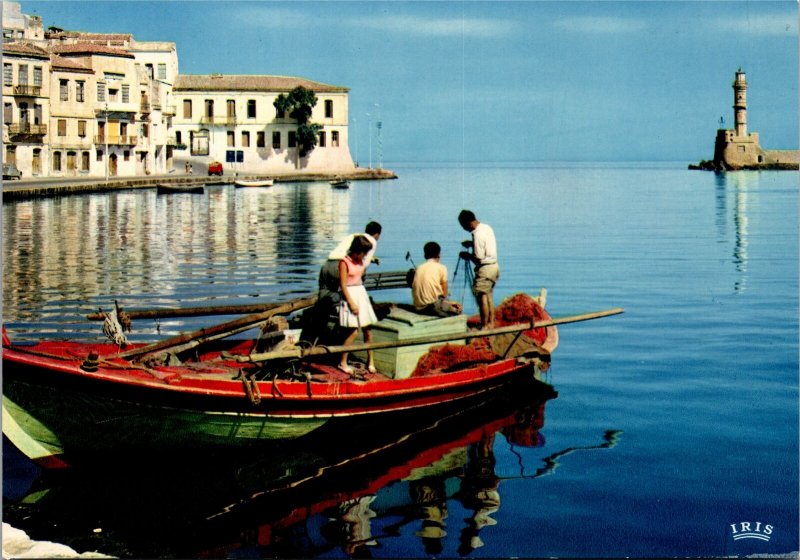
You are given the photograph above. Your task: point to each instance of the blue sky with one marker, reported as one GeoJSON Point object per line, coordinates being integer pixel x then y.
{"type": "Point", "coordinates": [498, 81]}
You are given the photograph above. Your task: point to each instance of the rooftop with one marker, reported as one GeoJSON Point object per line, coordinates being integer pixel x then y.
{"type": "Point", "coordinates": [26, 49]}
{"type": "Point", "coordinates": [228, 82]}
{"type": "Point", "coordinates": [89, 48]}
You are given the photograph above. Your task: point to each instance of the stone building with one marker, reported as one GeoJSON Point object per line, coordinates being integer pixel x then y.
{"type": "Point", "coordinates": [739, 149]}
{"type": "Point", "coordinates": [232, 119]}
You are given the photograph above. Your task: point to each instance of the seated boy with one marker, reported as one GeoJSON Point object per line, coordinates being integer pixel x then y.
{"type": "Point", "coordinates": [430, 285]}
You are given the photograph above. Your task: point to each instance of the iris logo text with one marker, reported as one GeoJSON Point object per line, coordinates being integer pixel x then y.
{"type": "Point", "coordinates": [751, 530]}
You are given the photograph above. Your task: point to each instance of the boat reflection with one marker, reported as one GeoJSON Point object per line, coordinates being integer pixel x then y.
{"type": "Point", "coordinates": [347, 488]}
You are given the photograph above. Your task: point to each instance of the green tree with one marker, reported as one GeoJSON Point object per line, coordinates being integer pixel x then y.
{"type": "Point", "coordinates": [298, 104]}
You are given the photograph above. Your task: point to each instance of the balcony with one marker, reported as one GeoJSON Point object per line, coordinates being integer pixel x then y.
{"type": "Point", "coordinates": [116, 140]}
{"type": "Point", "coordinates": [169, 110]}
{"type": "Point", "coordinates": [27, 90]}
{"type": "Point", "coordinates": [27, 129]}
{"type": "Point", "coordinates": [144, 108]}
{"type": "Point", "coordinates": [218, 120]}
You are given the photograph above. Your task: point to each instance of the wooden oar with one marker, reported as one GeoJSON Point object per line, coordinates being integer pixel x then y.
{"type": "Point", "coordinates": [321, 350]}
{"type": "Point", "coordinates": [183, 342]}
{"type": "Point", "coordinates": [382, 281]}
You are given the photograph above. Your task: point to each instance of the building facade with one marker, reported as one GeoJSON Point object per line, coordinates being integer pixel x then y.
{"type": "Point", "coordinates": [105, 105]}
{"type": "Point", "coordinates": [232, 119]}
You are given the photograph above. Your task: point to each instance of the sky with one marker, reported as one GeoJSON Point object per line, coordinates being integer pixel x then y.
{"type": "Point", "coordinates": [517, 81]}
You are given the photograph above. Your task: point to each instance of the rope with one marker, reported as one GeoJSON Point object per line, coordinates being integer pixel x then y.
{"type": "Point", "coordinates": [112, 329]}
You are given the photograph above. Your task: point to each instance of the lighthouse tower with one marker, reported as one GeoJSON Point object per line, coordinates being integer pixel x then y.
{"type": "Point", "coordinates": [740, 103]}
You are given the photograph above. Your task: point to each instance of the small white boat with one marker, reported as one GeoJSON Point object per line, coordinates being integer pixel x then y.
{"type": "Point", "coordinates": [258, 183]}
{"type": "Point", "coordinates": [340, 184]}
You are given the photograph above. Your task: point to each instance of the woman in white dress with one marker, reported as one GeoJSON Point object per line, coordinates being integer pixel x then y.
{"type": "Point", "coordinates": [355, 311]}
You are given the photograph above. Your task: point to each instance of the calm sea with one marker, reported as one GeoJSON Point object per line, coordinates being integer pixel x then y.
{"type": "Point", "coordinates": [674, 423]}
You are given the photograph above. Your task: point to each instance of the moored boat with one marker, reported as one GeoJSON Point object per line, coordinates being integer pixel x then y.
{"type": "Point", "coordinates": [340, 184]}
{"type": "Point", "coordinates": [191, 188]}
{"type": "Point", "coordinates": [254, 183]}
{"type": "Point", "coordinates": [63, 400]}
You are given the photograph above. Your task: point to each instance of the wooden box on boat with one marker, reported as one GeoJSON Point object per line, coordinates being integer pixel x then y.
{"type": "Point", "coordinates": [402, 324]}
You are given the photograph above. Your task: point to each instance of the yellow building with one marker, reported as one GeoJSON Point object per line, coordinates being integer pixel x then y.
{"type": "Point", "coordinates": [232, 119]}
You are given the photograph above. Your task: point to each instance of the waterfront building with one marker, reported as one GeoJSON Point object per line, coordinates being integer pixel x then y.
{"type": "Point", "coordinates": [232, 119]}
{"type": "Point", "coordinates": [737, 148]}
{"type": "Point", "coordinates": [26, 106]}
{"type": "Point", "coordinates": [19, 26]}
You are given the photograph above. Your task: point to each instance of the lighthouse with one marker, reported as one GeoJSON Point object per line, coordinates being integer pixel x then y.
{"type": "Point", "coordinates": [740, 103]}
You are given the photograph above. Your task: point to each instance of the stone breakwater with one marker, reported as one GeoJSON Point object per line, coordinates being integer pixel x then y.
{"type": "Point", "coordinates": [19, 190]}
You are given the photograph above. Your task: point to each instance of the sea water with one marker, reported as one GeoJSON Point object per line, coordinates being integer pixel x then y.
{"type": "Point", "coordinates": [675, 429]}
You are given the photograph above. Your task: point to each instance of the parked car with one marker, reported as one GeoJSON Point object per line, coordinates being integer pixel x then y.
{"type": "Point", "coordinates": [11, 172]}
{"type": "Point", "coordinates": [215, 168]}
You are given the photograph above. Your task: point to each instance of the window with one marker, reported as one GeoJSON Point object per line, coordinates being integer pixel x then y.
{"type": "Point", "coordinates": [279, 114]}
{"type": "Point", "coordinates": [251, 108]}
{"type": "Point", "coordinates": [187, 108]}
{"type": "Point", "coordinates": [56, 161]}
{"type": "Point", "coordinates": [149, 69]}
{"type": "Point", "coordinates": [112, 95]}
{"type": "Point", "coordinates": [8, 113]}
{"type": "Point", "coordinates": [22, 75]}
{"type": "Point", "coordinates": [178, 137]}
{"type": "Point", "coordinates": [199, 142]}
{"type": "Point", "coordinates": [36, 162]}
{"type": "Point", "coordinates": [24, 118]}
{"type": "Point", "coordinates": [11, 155]}
{"type": "Point", "coordinates": [260, 139]}
{"type": "Point", "coordinates": [162, 71]}
{"type": "Point", "coordinates": [71, 161]}
{"type": "Point", "coordinates": [8, 75]}
{"type": "Point", "coordinates": [292, 139]}
{"type": "Point", "coordinates": [126, 155]}
{"type": "Point", "coordinates": [126, 93]}
{"type": "Point", "coordinates": [62, 127]}
{"type": "Point", "coordinates": [99, 155]}
{"type": "Point", "coordinates": [37, 75]}
{"type": "Point", "coordinates": [63, 90]}
{"type": "Point", "coordinates": [81, 128]}
{"type": "Point", "coordinates": [328, 109]}
{"type": "Point", "coordinates": [322, 139]}
{"type": "Point", "coordinates": [145, 130]}
{"type": "Point", "coordinates": [276, 140]}
{"type": "Point", "coordinates": [37, 113]}
{"type": "Point", "coordinates": [231, 104]}
{"type": "Point", "coordinates": [245, 139]}
{"type": "Point", "coordinates": [209, 107]}
{"type": "Point", "coordinates": [85, 161]}
{"type": "Point", "coordinates": [80, 91]}
{"type": "Point", "coordinates": [101, 92]}
{"type": "Point", "coordinates": [335, 138]}
{"type": "Point", "coordinates": [231, 139]}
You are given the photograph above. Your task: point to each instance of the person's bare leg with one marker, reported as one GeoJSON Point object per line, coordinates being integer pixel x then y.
{"type": "Point", "coordinates": [351, 336]}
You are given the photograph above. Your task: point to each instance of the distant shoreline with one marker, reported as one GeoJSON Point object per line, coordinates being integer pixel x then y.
{"type": "Point", "coordinates": [40, 188]}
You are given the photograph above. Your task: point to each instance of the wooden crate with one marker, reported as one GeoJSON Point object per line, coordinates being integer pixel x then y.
{"type": "Point", "coordinates": [402, 324]}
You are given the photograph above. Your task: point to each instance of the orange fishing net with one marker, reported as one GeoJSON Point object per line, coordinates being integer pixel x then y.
{"type": "Point", "coordinates": [449, 355]}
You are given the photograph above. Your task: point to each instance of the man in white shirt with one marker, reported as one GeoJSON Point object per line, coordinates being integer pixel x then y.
{"type": "Point", "coordinates": [429, 288]}
{"type": "Point", "coordinates": [484, 257]}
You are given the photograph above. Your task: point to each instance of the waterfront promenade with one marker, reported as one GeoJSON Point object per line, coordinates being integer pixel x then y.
{"type": "Point", "coordinates": [59, 186]}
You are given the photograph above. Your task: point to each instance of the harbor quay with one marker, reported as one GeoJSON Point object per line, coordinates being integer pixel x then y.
{"type": "Point", "coordinates": [44, 187]}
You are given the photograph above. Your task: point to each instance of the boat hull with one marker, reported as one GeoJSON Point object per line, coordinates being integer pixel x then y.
{"type": "Point", "coordinates": [57, 413]}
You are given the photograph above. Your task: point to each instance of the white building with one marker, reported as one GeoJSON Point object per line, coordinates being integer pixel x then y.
{"type": "Point", "coordinates": [232, 119]}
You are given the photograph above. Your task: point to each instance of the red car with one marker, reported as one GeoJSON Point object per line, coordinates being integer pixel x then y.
{"type": "Point", "coordinates": [215, 168]}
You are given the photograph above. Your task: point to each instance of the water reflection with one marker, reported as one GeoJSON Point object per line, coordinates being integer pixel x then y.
{"type": "Point", "coordinates": [67, 256]}
{"type": "Point", "coordinates": [739, 186]}
{"type": "Point", "coordinates": [350, 487]}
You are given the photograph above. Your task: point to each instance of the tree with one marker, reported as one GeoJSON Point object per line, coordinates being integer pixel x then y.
{"type": "Point", "coordinates": [299, 104]}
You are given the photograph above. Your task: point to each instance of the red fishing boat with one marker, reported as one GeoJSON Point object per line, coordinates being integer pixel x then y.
{"type": "Point", "coordinates": [63, 400]}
